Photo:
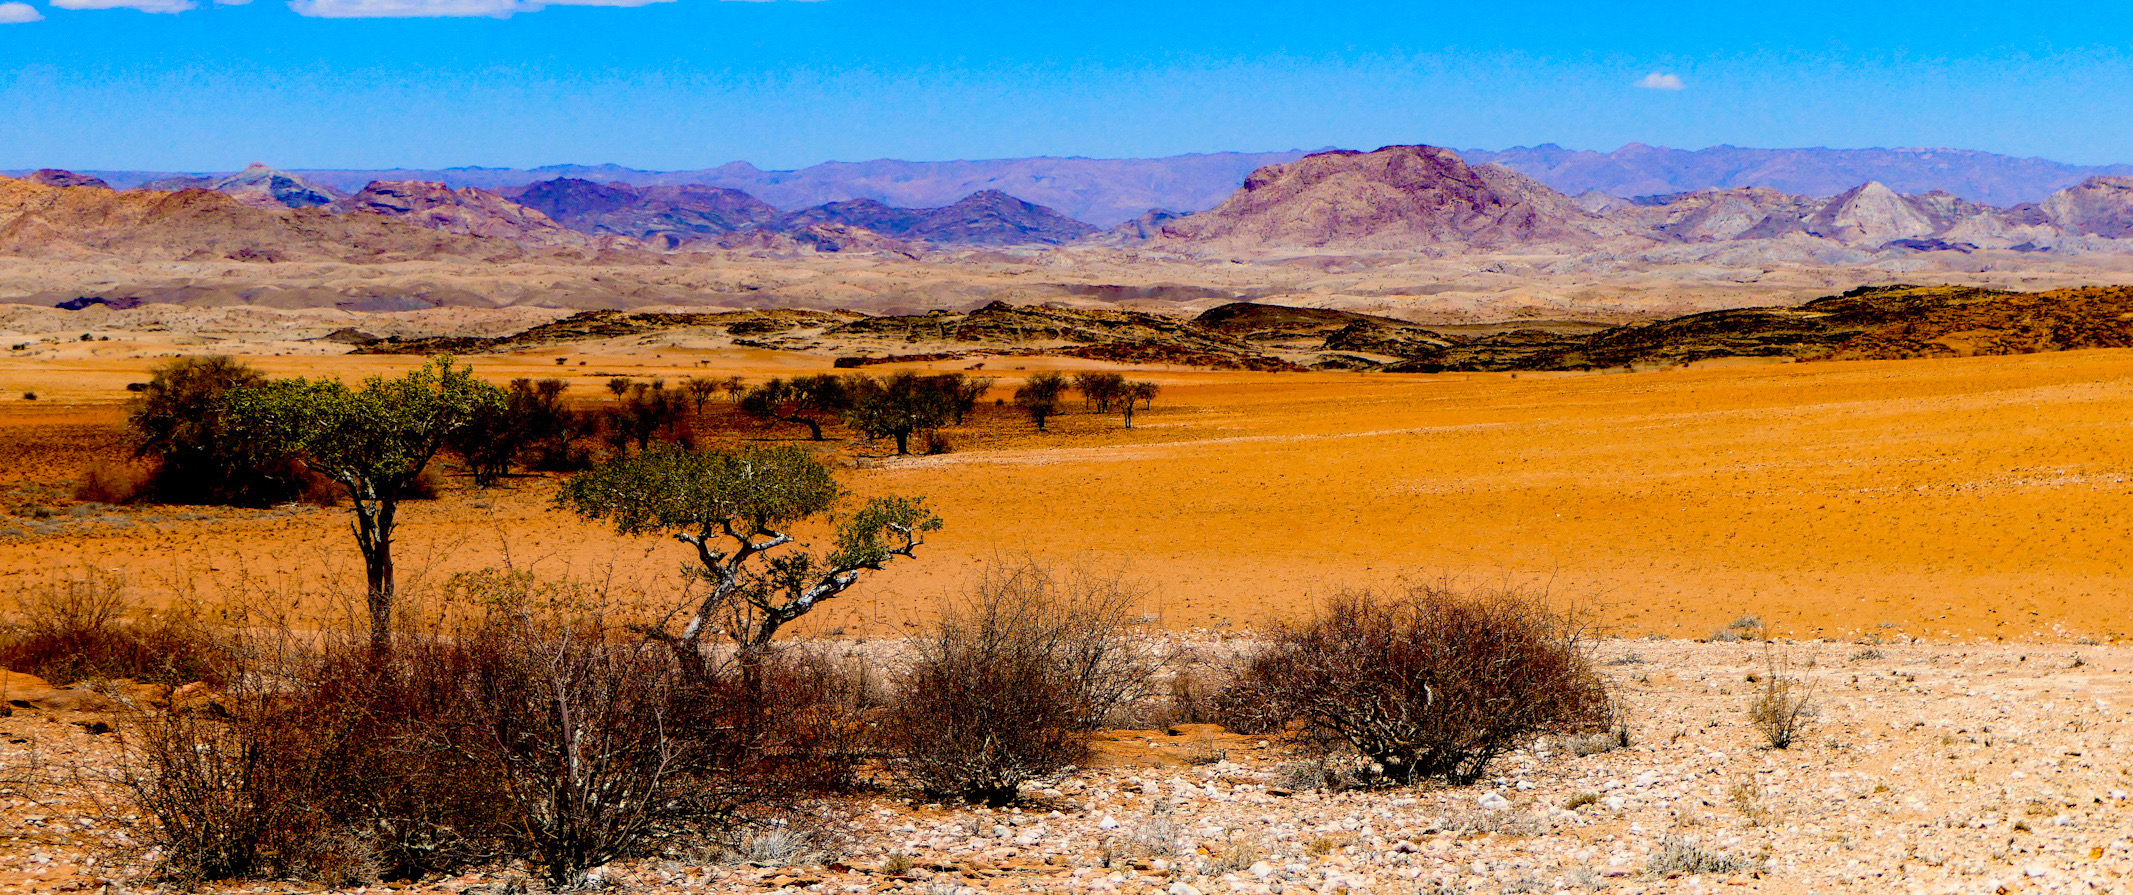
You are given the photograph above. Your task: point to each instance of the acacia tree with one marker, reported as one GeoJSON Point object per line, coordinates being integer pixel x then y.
{"type": "Point", "coordinates": [963, 392]}
{"type": "Point", "coordinates": [1100, 388]}
{"type": "Point", "coordinates": [802, 400]}
{"type": "Point", "coordinates": [1133, 392]}
{"type": "Point", "coordinates": [902, 405]}
{"type": "Point", "coordinates": [1039, 396]}
{"type": "Point", "coordinates": [734, 507]}
{"type": "Point", "coordinates": [373, 441]}
{"type": "Point", "coordinates": [700, 389]}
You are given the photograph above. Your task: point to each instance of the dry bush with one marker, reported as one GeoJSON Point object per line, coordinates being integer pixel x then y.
{"type": "Point", "coordinates": [1781, 708]}
{"type": "Point", "coordinates": [87, 629]}
{"type": "Point", "coordinates": [1433, 683]}
{"type": "Point", "coordinates": [1008, 687]}
{"type": "Point", "coordinates": [521, 732]}
{"type": "Point", "coordinates": [108, 482]}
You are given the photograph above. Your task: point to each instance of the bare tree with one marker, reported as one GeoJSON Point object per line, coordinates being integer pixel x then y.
{"type": "Point", "coordinates": [1100, 388]}
{"type": "Point", "coordinates": [1130, 394]}
{"type": "Point", "coordinates": [700, 389]}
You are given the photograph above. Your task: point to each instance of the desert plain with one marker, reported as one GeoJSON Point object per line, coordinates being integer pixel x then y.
{"type": "Point", "coordinates": [1933, 547]}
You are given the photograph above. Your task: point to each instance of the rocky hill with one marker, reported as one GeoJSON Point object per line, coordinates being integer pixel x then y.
{"type": "Point", "coordinates": [1641, 170]}
{"type": "Point", "coordinates": [1398, 197]}
{"type": "Point", "coordinates": [258, 184]}
{"type": "Point", "coordinates": [665, 216]}
{"type": "Point", "coordinates": [465, 211]}
{"type": "Point", "coordinates": [988, 217]}
{"type": "Point", "coordinates": [73, 223]}
{"type": "Point", "coordinates": [1887, 323]}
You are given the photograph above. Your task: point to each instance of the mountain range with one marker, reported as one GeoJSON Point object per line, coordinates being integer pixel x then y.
{"type": "Point", "coordinates": [1420, 199]}
{"type": "Point", "coordinates": [1109, 192]}
{"type": "Point", "coordinates": [1425, 198]}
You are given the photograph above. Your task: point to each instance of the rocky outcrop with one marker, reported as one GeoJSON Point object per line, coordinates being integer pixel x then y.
{"type": "Point", "coordinates": [988, 217]}
{"type": "Point", "coordinates": [665, 216]}
{"type": "Point", "coordinates": [57, 177]}
{"type": "Point", "coordinates": [2099, 206]}
{"type": "Point", "coordinates": [465, 211]}
{"type": "Point", "coordinates": [258, 184]}
{"type": "Point", "coordinates": [199, 224]}
{"type": "Point", "coordinates": [1398, 197]}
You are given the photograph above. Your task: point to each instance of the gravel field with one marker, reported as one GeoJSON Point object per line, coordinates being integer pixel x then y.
{"type": "Point", "coordinates": [1926, 767]}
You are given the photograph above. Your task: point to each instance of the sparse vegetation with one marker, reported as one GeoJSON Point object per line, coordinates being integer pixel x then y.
{"type": "Point", "coordinates": [803, 401]}
{"type": "Point", "coordinates": [1680, 857]}
{"type": "Point", "coordinates": [374, 441]}
{"type": "Point", "coordinates": [552, 736]}
{"type": "Point", "coordinates": [1781, 708]}
{"type": "Point", "coordinates": [1008, 686]}
{"type": "Point", "coordinates": [1430, 683]}
{"type": "Point", "coordinates": [87, 629]}
{"type": "Point", "coordinates": [733, 508]}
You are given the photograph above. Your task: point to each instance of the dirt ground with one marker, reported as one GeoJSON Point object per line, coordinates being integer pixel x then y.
{"type": "Point", "coordinates": [1943, 499]}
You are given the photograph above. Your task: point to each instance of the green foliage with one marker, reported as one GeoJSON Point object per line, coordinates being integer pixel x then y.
{"type": "Point", "coordinates": [672, 489]}
{"type": "Point", "coordinates": [731, 506]}
{"type": "Point", "coordinates": [802, 401]}
{"type": "Point", "coordinates": [498, 432]}
{"type": "Point", "coordinates": [374, 440]}
{"type": "Point", "coordinates": [1100, 388]}
{"type": "Point", "coordinates": [900, 406]}
{"type": "Point", "coordinates": [181, 421]}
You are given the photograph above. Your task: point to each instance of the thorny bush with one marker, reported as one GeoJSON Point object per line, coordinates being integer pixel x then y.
{"type": "Point", "coordinates": [1431, 683]}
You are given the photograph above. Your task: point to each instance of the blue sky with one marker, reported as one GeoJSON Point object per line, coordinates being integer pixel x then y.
{"type": "Point", "coordinates": [786, 83]}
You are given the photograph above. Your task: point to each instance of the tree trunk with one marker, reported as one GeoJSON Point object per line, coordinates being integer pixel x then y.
{"type": "Point", "coordinates": [1129, 414]}
{"type": "Point", "coordinates": [374, 537]}
{"type": "Point", "coordinates": [814, 429]}
{"type": "Point", "coordinates": [903, 442]}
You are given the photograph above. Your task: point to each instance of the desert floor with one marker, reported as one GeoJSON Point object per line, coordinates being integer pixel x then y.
{"type": "Point", "coordinates": [1941, 499]}
{"type": "Point", "coordinates": [1978, 768]}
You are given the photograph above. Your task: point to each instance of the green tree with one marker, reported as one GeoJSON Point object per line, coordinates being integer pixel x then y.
{"type": "Point", "coordinates": [900, 406]}
{"type": "Point", "coordinates": [181, 420]}
{"type": "Point", "coordinates": [373, 441]}
{"type": "Point", "coordinates": [802, 400]}
{"type": "Point", "coordinates": [734, 507]}
{"type": "Point", "coordinates": [1039, 396]}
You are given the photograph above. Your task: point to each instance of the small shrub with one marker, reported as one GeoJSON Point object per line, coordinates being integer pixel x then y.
{"type": "Point", "coordinates": [1679, 857]}
{"type": "Point", "coordinates": [1581, 800]}
{"type": "Point", "coordinates": [86, 629]}
{"type": "Point", "coordinates": [937, 443]}
{"type": "Point", "coordinates": [29, 396]}
{"type": "Point", "coordinates": [1433, 683]}
{"type": "Point", "coordinates": [1007, 687]}
{"type": "Point", "coordinates": [1781, 709]}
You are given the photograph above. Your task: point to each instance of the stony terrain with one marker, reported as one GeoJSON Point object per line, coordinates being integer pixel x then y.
{"type": "Point", "coordinates": [1927, 767]}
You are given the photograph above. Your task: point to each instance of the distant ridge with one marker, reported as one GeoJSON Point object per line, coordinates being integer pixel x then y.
{"type": "Point", "coordinates": [1641, 170]}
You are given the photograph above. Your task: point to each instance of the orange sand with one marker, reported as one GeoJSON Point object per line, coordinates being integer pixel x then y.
{"type": "Point", "coordinates": [1940, 499]}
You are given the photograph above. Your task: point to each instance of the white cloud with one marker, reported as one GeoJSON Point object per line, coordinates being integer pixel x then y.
{"type": "Point", "coordinates": [374, 9]}
{"type": "Point", "coordinates": [17, 13]}
{"type": "Point", "coordinates": [1657, 81]}
{"type": "Point", "coordinates": [142, 5]}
